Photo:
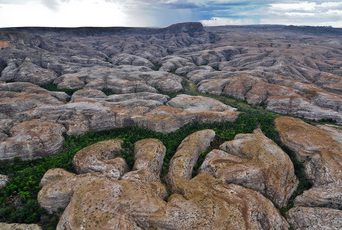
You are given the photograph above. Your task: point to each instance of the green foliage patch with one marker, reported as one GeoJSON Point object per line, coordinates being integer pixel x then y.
{"type": "Point", "coordinates": [53, 87]}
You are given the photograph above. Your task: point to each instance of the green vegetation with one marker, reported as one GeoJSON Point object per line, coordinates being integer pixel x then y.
{"type": "Point", "coordinates": [18, 200]}
{"type": "Point", "coordinates": [107, 91]}
{"type": "Point", "coordinates": [53, 87]}
{"type": "Point", "coordinates": [304, 183]}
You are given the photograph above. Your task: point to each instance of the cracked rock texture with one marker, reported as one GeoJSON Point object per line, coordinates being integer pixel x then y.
{"type": "Point", "coordinates": [139, 200]}
{"type": "Point", "coordinates": [101, 157]}
{"type": "Point", "coordinates": [122, 77]}
{"type": "Point", "coordinates": [5, 226]}
{"type": "Point", "coordinates": [256, 162]}
{"type": "Point", "coordinates": [33, 120]}
{"type": "Point", "coordinates": [56, 82]}
{"type": "Point", "coordinates": [286, 69]}
{"type": "Point", "coordinates": [320, 150]}
{"type": "Point", "coordinates": [315, 218]}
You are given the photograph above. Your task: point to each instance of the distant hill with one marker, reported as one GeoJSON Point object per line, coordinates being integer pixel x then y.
{"type": "Point", "coordinates": [187, 27]}
{"type": "Point", "coordinates": [326, 30]}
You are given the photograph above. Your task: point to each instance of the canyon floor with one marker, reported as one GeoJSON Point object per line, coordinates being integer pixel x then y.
{"type": "Point", "coordinates": [184, 127]}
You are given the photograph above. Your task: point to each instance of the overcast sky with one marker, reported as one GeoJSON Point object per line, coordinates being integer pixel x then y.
{"type": "Point", "coordinates": [158, 13]}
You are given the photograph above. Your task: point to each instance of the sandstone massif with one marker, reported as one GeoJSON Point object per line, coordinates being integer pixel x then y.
{"type": "Point", "coordinates": [59, 82]}
{"type": "Point", "coordinates": [286, 72]}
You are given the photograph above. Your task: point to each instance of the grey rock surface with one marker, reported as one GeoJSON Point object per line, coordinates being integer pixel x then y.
{"type": "Point", "coordinates": [255, 162]}
{"type": "Point", "coordinates": [315, 218]}
{"type": "Point", "coordinates": [33, 120]}
{"type": "Point", "coordinates": [284, 70]}
{"type": "Point", "coordinates": [5, 226]}
{"type": "Point", "coordinates": [3, 180]}
{"type": "Point", "coordinates": [56, 82]}
{"type": "Point", "coordinates": [320, 150]}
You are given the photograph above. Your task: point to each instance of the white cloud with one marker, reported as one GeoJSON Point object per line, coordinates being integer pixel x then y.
{"type": "Point", "coordinates": [67, 14]}
{"type": "Point", "coordinates": [305, 13]}
{"type": "Point", "coordinates": [217, 21]}
{"type": "Point", "coordinates": [330, 4]}
{"type": "Point", "coordinates": [334, 12]}
{"type": "Point", "coordinates": [299, 14]}
{"type": "Point", "coordinates": [164, 12]}
{"type": "Point", "coordinates": [303, 6]}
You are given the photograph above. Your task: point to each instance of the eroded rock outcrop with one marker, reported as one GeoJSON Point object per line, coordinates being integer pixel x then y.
{"type": "Point", "coordinates": [298, 99]}
{"type": "Point", "coordinates": [321, 154]}
{"type": "Point", "coordinates": [20, 97]}
{"type": "Point", "coordinates": [123, 79]}
{"type": "Point", "coordinates": [28, 72]}
{"type": "Point", "coordinates": [5, 226]}
{"type": "Point", "coordinates": [320, 150]}
{"type": "Point", "coordinates": [185, 158]}
{"type": "Point", "coordinates": [3, 180]}
{"type": "Point", "coordinates": [101, 157]}
{"type": "Point", "coordinates": [284, 70]}
{"type": "Point", "coordinates": [255, 162]}
{"type": "Point", "coordinates": [129, 59]}
{"type": "Point", "coordinates": [32, 139]}
{"type": "Point", "coordinates": [185, 109]}
{"type": "Point", "coordinates": [33, 120]}
{"type": "Point", "coordinates": [315, 218]}
{"type": "Point", "coordinates": [138, 200]}
{"type": "Point", "coordinates": [322, 196]}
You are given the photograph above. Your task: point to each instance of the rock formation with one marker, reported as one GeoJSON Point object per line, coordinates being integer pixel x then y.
{"type": "Point", "coordinates": [5, 226]}
{"type": "Point", "coordinates": [138, 199]}
{"type": "Point", "coordinates": [321, 153]}
{"type": "Point", "coordinates": [123, 79]}
{"type": "Point", "coordinates": [33, 120]}
{"type": "Point", "coordinates": [3, 180]}
{"type": "Point", "coordinates": [56, 82]}
{"type": "Point", "coordinates": [299, 75]}
{"type": "Point", "coordinates": [28, 72]}
{"type": "Point", "coordinates": [256, 162]}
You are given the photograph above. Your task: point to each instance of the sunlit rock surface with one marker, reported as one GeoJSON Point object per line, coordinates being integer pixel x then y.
{"type": "Point", "coordinates": [320, 150]}
{"type": "Point", "coordinates": [256, 162]}
{"type": "Point", "coordinates": [59, 82]}
{"type": "Point", "coordinates": [139, 200]}
{"type": "Point", "coordinates": [5, 226]}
